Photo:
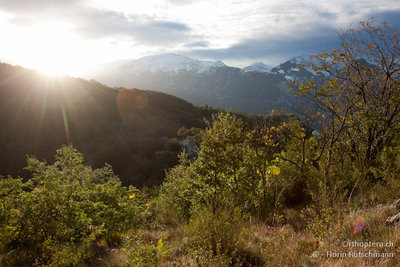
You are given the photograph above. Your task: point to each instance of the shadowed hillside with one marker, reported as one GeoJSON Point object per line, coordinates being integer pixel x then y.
{"type": "Point", "coordinates": [39, 113]}
{"type": "Point", "coordinates": [133, 130]}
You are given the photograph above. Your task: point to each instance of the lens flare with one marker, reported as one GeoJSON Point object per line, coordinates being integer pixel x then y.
{"type": "Point", "coordinates": [65, 118]}
{"type": "Point", "coordinates": [358, 225]}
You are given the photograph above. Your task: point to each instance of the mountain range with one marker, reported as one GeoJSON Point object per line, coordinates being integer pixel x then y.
{"type": "Point", "coordinates": [257, 88]}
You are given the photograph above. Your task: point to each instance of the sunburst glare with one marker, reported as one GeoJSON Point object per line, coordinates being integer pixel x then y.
{"type": "Point", "coordinates": [52, 49]}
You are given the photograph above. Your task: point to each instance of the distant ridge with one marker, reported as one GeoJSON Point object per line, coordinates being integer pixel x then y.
{"type": "Point", "coordinates": [258, 88]}
{"type": "Point", "coordinates": [257, 67]}
{"type": "Point", "coordinates": [171, 63]}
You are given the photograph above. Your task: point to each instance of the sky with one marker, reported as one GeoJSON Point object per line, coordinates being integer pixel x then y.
{"type": "Point", "coordinates": [69, 36]}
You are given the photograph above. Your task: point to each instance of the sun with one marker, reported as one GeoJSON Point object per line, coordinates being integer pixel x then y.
{"type": "Point", "coordinates": [52, 49]}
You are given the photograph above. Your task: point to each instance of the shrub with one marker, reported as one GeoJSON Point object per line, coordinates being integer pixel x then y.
{"type": "Point", "coordinates": [215, 234]}
{"type": "Point", "coordinates": [63, 207]}
{"type": "Point", "coordinates": [142, 253]}
{"type": "Point", "coordinates": [321, 221]}
{"type": "Point", "coordinates": [177, 193]}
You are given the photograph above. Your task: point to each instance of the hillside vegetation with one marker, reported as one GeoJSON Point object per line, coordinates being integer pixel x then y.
{"type": "Point", "coordinates": [276, 193]}
{"type": "Point", "coordinates": [122, 127]}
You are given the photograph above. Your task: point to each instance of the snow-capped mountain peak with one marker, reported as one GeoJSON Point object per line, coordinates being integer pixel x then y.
{"type": "Point", "coordinates": [257, 67]}
{"type": "Point", "coordinates": [307, 62]}
{"type": "Point", "coordinates": [171, 63]}
{"type": "Point", "coordinates": [303, 59]}
{"type": "Point", "coordinates": [256, 88]}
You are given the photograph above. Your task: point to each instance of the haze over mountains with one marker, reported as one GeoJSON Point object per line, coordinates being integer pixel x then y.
{"type": "Point", "coordinates": [257, 88]}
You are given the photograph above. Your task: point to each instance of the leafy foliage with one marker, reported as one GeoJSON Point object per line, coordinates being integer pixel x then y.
{"type": "Point", "coordinates": [360, 96]}
{"type": "Point", "coordinates": [141, 253]}
{"type": "Point", "coordinates": [66, 205]}
{"type": "Point", "coordinates": [215, 234]}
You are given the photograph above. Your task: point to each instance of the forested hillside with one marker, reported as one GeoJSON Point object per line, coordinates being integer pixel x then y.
{"type": "Point", "coordinates": [39, 113]}
{"type": "Point", "coordinates": [125, 128]}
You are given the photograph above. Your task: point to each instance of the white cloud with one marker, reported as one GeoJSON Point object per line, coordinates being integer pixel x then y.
{"type": "Point", "coordinates": [236, 31]}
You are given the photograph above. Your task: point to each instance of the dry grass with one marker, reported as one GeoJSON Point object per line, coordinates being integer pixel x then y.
{"type": "Point", "coordinates": [262, 245]}
{"type": "Point", "coordinates": [116, 258]}
{"type": "Point", "coordinates": [286, 245]}
{"type": "Point", "coordinates": [375, 231]}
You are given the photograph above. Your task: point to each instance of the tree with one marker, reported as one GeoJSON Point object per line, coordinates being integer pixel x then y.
{"type": "Point", "coordinates": [359, 95]}
{"type": "Point", "coordinates": [265, 143]}
{"type": "Point", "coordinates": [221, 160]}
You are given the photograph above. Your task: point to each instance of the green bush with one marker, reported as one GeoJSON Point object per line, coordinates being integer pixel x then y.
{"type": "Point", "coordinates": [216, 235]}
{"type": "Point", "coordinates": [322, 221]}
{"type": "Point", "coordinates": [175, 201]}
{"type": "Point", "coordinates": [141, 253]}
{"type": "Point", "coordinates": [64, 206]}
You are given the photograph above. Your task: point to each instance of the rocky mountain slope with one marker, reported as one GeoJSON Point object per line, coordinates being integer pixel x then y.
{"type": "Point", "coordinates": [257, 88]}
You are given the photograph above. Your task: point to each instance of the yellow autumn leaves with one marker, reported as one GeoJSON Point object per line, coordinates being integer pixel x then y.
{"type": "Point", "coordinates": [273, 169]}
